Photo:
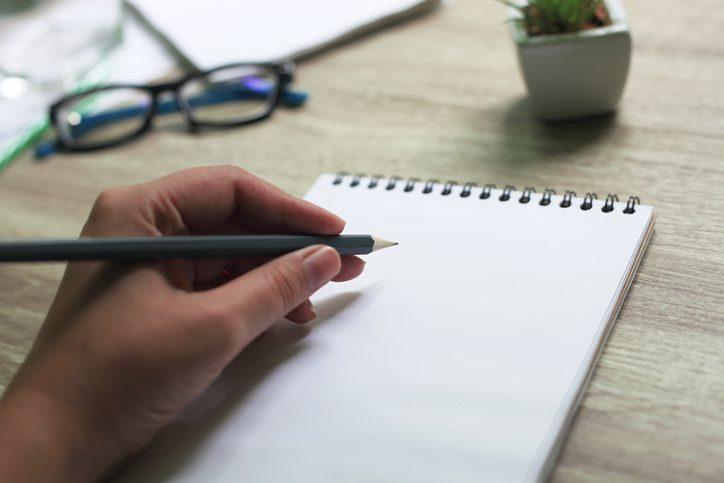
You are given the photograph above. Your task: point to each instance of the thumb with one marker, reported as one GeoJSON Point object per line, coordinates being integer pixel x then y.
{"type": "Point", "coordinates": [252, 302]}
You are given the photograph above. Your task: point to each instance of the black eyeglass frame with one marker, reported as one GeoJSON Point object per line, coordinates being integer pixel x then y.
{"type": "Point", "coordinates": [284, 76]}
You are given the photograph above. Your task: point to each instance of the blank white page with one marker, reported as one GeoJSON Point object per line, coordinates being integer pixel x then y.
{"type": "Point", "coordinates": [217, 32]}
{"type": "Point", "coordinates": [458, 355]}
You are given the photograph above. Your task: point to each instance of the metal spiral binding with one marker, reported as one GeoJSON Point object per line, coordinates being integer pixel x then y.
{"type": "Point", "coordinates": [486, 191]}
{"type": "Point", "coordinates": [588, 201]}
{"type": "Point", "coordinates": [506, 192]}
{"type": "Point", "coordinates": [567, 199]}
{"type": "Point", "coordinates": [429, 185]}
{"type": "Point", "coordinates": [392, 182]}
{"type": "Point", "coordinates": [374, 181]}
{"type": "Point", "coordinates": [467, 188]}
{"type": "Point", "coordinates": [630, 205]}
{"type": "Point", "coordinates": [447, 187]}
{"type": "Point", "coordinates": [527, 193]}
{"type": "Point", "coordinates": [546, 198]}
{"type": "Point", "coordinates": [339, 177]}
{"type": "Point", "coordinates": [608, 204]}
{"type": "Point", "coordinates": [410, 185]}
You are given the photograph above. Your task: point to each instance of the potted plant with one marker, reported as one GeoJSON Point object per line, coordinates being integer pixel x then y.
{"type": "Point", "coordinates": [574, 55]}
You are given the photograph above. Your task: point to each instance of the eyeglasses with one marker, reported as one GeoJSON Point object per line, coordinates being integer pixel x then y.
{"type": "Point", "coordinates": [227, 96]}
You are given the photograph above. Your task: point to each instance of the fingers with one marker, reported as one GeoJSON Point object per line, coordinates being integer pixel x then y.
{"type": "Point", "coordinates": [204, 198]}
{"type": "Point", "coordinates": [302, 313]}
{"type": "Point", "coordinates": [352, 267]}
{"type": "Point", "coordinates": [212, 273]}
{"type": "Point", "coordinates": [252, 302]}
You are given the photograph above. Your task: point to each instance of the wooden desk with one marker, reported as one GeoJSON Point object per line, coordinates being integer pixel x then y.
{"type": "Point", "coordinates": [442, 97]}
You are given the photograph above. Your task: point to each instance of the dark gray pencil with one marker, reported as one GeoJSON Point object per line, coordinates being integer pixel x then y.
{"type": "Point", "coordinates": [161, 248]}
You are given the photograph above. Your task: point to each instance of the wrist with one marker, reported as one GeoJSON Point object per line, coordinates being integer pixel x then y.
{"type": "Point", "coordinates": [41, 441]}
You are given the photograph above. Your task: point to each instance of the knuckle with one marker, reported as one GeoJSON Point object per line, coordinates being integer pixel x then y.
{"type": "Point", "coordinates": [232, 171]}
{"type": "Point", "coordinates": [236, 169]}
{"type": "Point", "coordinates": [110, 204]}
{"type": "Point", "coordinates": [109, 200]}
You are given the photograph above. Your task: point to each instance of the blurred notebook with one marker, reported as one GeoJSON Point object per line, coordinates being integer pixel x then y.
{"type": "Point", "coordinates": [216, 32]}
{"type": "Point", "coordinates": [459, 355]}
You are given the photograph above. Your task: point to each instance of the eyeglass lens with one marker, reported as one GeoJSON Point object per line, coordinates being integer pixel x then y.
{"type": "Point", "coordinates": [230, 95]}
{"type": "Point", "coordinates": [104, 116]}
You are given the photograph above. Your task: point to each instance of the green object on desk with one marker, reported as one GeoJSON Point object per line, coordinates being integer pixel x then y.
{"type": "Point", "coordinates": [22, 141]}
{"type": "Point", "coordinates": [25, 139]}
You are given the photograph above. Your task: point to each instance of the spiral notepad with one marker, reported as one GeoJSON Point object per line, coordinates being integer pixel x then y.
{"type": "Point", "coordinates": [459, 355]}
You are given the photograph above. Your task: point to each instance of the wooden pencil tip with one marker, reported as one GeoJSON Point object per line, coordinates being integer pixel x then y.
{"type": "Point", "coordinates": [379, 243]}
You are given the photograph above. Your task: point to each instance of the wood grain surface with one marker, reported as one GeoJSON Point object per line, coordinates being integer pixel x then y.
{"type": "Point", "coordinates": [442, 97]}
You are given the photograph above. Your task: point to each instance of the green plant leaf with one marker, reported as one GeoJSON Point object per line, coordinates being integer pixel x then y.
{"type": "Point", "coordinates": [548, 17]}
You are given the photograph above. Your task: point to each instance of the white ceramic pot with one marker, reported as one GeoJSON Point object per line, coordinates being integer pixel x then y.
{"type": "Point", "coordinates": [575, 75]}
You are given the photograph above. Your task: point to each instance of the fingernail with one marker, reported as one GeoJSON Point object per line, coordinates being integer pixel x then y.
{"type": "Point", "coordinates": [311, 309]}
{"type": "Point", "coordinates": [320, 266]}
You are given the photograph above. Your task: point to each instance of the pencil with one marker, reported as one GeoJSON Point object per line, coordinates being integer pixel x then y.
{"type": "Point", "coordinates": [162, 248]}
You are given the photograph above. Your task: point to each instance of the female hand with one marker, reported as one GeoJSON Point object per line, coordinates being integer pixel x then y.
{"type": "Point", "coordinates": [125, 347]}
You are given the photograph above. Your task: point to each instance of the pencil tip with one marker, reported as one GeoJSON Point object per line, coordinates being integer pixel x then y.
{"type": "Point", "coordinates": [379, 243]}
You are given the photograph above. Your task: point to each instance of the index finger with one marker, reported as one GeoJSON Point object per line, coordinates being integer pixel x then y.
{"type": "Point", "coordinates": [205, 198]}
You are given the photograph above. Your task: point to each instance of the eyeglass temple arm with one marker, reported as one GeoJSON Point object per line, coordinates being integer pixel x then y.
{"type": "Point", "coordinates": [290, 98]}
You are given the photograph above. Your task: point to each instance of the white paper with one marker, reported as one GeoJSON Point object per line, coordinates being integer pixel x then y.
{"type": "Point", "coordinates": [217, 32]}
{"type": "Point", "coordinates": [457, 356]}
